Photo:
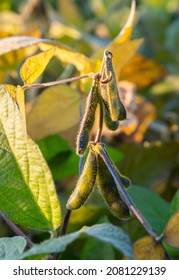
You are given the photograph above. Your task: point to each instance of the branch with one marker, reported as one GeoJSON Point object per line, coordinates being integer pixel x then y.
{"type": "Point", "coordinates": [41, 85]}
{"type": "Point", "coordinates": [16, 230]}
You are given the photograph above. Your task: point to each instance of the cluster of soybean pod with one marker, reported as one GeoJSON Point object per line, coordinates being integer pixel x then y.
{"type": "Point", "coordinates": [98, 168]}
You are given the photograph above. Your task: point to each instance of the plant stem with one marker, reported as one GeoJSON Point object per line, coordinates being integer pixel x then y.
{"type": "Point", "coordinates": [40, 85]}
{"type": "Point", "coordinates": [56, 256]}
{"type": "Point", "coordinates": [128, 200]}
{"type": "Point", "coordinates": [16, 230]}
{"type": "Point", "coordinates": [65, 223]}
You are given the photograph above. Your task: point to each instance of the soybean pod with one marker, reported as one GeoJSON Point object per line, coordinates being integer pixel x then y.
{"type": "Point", "coordinates": [109, 89]}
{"type": "Point", "coordinates": [84, 184]}
{"type": "Point", "coordinates": [125, 181]}
{"type": "Point", "coordinates": [112, 125]}
{"type": "Point", "coordinates": [109, 190]}
{"type": "Point", "coordinates": [89, 117]}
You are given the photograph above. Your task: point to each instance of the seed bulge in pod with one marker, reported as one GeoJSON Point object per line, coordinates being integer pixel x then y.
{"type": "Point", "coordinates": [84, 184]}
{"type": "Point", "coordinates": [109, 89]}
{"type": "Point", "coordinates": [88, 118]}
{"type": "Point", "coordinates": [110, 192]}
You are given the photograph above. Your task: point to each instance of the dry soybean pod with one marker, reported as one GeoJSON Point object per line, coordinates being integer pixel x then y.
{"type": "Point", "coordinates": [88, 118]}
{"type": "Point", "coordinates": [84, 184]}
{"type": "Point", "coordinates": [109, 89]}
{"type": "Point", "coordinates": [109, 190]}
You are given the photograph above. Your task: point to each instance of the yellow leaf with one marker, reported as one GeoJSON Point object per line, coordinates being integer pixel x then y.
{"type": "Point", "coordinates": [142, 71]}
{"type": "Point", "coordinates": [171, 233]}
{"type": "Point", "coordinates": [80, 61]}
{"type": "Point", "coordinates": [123, 52]}
{"type": "Point", "coordinates": [11, 89]}
{"type": "Point", "coordinates": [55, 110]}
{"type": "Point", "coordinates": [18, 95]}
{"type": "Point", "coordinates": [147, 249]}
{"type": "Point", "coordinates": [121, 47]}
{"type": "Point", "coordinates": [20, 99]}
{"type": "Point", "coordinates": [125, 34]}
{"type": "Point", "coordinates": [10, 61]}
{"type": "Point", "coordinates": [34, 66]}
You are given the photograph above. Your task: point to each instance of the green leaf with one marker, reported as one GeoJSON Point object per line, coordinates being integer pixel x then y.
{"type": "Point", "coordinates": [55, 110]}
{"type": "Point", "coordinates": [64, 165]}
{"type": "Point", "coordinates": [175, 202]}
{"type": "Point", "coordinates": [146, 165]}
{"type": "Point", "coordinates": [53, 145]}
{"type": "Point", "coordinates": [115, 154]}
{"type": "Point", "coordinates": [155, 210]}
{"type": "Point", "coordinates": [104, 232]}
{"type": "Point", "coordinates": [27, 192]}
{"type": "Point", "coordinates": [90, 250]}
{"type": "Point", "coordinates": [11, 247]}
{"type": "Point", "coordinates": [34, 66]}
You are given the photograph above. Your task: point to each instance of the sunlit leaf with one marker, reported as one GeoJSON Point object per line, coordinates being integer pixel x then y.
{"type": "Point", "coordinates": [18, 94]}
{"type": "Point", "coordinates": [105, 232]}
{"type": "Point", "coordinates": [122, 48]}
{"type": "Point", "coordinates": [11, 247]}
{"type": "Point", "coordinates": [147, 249]}
{"type": "Point", "coordinates": [11, 89]}
{"type": "Point", "coordinates": [27, 192]}
{"type": "Point", "coordinates": [20, 99]}
{"type": "Point", "coordinates": [125, 34]}
{"type": "Point", "coordinates": [171, 233]}
{"type": "Point", "coordinates": [9, 61]}
{"type": "Point", "coordinates": [122, 53]}
{"type": "Point", "coordinates": [34, 66]}
{"type": "Point", "coordinates": [56, 109]}
{"type": "Point", "coordinates": [66, 55]}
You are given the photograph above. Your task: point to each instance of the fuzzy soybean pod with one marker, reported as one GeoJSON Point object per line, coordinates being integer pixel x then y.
{"type": "Point", "coordinates": [84, 184]}
{"type": "Point", "coordinates": [110, 192]}
{"type": "Point", "coordinates": [110, 124]}
{"type": "Point", "coordinates": [109, 89]}
{"type": "Point", "coordinates": [125, 181]}
{"type": "Point", "coordinates": [88, 117]}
